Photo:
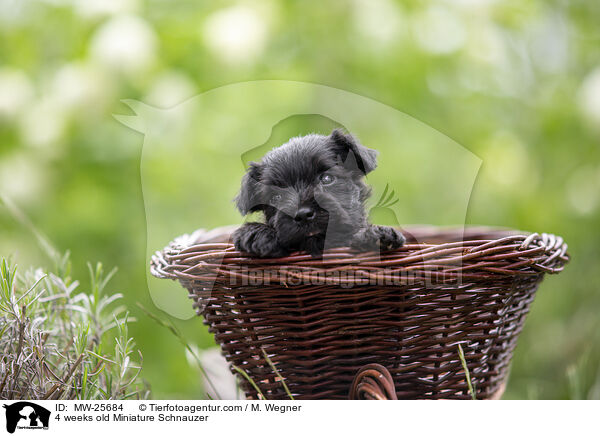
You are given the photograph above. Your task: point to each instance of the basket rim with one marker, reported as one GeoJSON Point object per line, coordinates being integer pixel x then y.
{"type": "Point", "coordinates": [472, 251]}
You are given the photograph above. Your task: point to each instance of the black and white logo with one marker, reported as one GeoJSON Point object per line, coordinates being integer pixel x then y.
{"type": "Point", "coordinates": [26, 415]}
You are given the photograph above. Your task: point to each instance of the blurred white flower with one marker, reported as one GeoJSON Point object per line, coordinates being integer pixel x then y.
{"type": "Point", "coordinates": [222, 382]}
{"type": "Point", "coordinates": [589, 97]}
{"type": "Point", "coordinates": [43, 123]}
{"type": "Point", "coordinates": [499, 64]}
{"type": "Point", "coordinates": [55, 2]}
{"type": "Point", "coordinates": [125, 43]}
{"type": "Point", "coordinates": [22, 177]}
{"type": "Point", "coordinates": [170, 89]}
{"type": "Point", "coordinates": [80, 86]}
{"type": "Point", "coordinates": [95, 8]}
{"type": "Point", "coordinates": [16, 91]}
{"type": "Point", "coordinates": [439, 30]}
{"type": "Point", "coordinates": [380, 20]}
{"type": "Point", "coordinates": [441, 83]}
{"type": "Point", "coordinates": [486, 43]}
{"type": "Point", "coordinates": [236, 34]}
{"type": "Point", "coordinates": [12, 12]}
{"type": "Point", "coordinates": [549, 42]}
{"type": "Point", "coordinates": [471, 4]}
{"type": "Point", "coordinates": [583, 190]}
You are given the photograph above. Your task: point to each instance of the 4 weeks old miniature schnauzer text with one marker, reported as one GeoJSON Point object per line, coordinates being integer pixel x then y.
{"type": "Point", "coordinates": [312, 194]}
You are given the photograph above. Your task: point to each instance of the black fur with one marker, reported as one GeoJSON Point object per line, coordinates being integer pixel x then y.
{"type": "Point", "coordinates": [311, 192]}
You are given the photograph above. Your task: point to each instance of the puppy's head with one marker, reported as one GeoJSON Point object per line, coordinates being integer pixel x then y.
{"type": "Point", "coordinates": [310, 186]}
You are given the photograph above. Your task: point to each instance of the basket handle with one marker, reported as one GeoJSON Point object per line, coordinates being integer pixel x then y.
{"type": "Point", "coordinates": [373, 382]}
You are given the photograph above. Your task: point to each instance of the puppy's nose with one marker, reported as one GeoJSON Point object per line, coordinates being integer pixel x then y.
{"type": "Point", "coordinates": [304, 214]}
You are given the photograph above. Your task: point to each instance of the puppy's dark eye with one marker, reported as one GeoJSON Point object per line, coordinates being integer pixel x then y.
{"type": "Point", "coordinates": [327, 179]}
{"type": "Point", "coordinates": [275, 199]}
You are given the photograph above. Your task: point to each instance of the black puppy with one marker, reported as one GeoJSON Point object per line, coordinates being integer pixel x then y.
{"type": "Point", "coordinates": [312, 194]}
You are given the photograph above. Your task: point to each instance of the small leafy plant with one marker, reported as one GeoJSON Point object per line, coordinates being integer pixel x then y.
{"type": "Point", "coordinates": [57, 342]}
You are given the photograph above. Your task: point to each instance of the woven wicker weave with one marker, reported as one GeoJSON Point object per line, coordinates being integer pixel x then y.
{"type": "Point", "coordinates": [322, 320]}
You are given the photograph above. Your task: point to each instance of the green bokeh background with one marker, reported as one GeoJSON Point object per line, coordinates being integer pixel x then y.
{"type": "Point", "coordinates": [515, 82]}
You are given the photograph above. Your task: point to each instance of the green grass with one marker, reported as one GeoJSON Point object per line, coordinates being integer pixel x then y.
{"type": "Point", "coordinates": [463, 361]}
{"type": "Point", "coordinates": [59, 342]}
{"type": "Point", "coordinates": [168, 324]}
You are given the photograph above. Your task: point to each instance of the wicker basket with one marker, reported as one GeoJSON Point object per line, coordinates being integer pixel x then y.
{"type": "Point", "coordinates": [369, 325]}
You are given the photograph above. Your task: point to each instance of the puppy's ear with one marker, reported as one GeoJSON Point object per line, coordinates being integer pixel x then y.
{"type": "Point", "coordinates": [351, 151]}
{"type": "Point", "coordinates": [248, 200]}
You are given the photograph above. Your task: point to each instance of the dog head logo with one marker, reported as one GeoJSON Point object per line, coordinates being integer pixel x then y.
{"type": "Point", "coordinates": [190, 165]}
{"type": "Point", "coordinates": [26, 415]}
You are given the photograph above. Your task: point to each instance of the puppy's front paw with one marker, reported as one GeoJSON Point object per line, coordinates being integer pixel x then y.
{"type": "Point", "coordinates": [364, 240]}
{"type": "Point", "coordinates": [390, 238]}
{"type": "Point", "coordinates": [259, 240]}
{"type": "Point", "coordinates": [374, 237]}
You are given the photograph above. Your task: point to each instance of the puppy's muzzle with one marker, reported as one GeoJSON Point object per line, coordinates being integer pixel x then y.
{"type": "Point", "coordinates": [305, 215]}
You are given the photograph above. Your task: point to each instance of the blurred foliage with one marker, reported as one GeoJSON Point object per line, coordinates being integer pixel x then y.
{"type": "Point", "coordinates": [515, 82]}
